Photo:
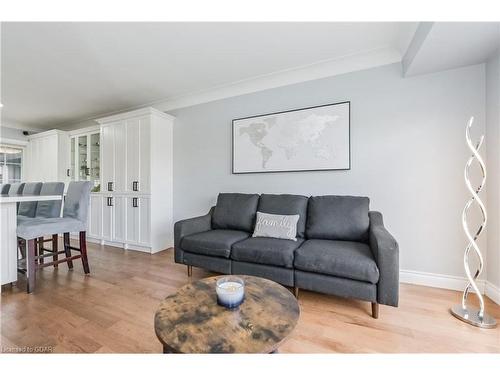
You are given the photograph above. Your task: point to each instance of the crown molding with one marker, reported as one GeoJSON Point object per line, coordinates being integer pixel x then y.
{"type": "Point", "coordinates": [46, 133]}
{"type": "Point", "coordinates": [136, 113]}
{"type": "Point", "coordinates": [323, 69]}
{"type": "Point", "coordinates": [327, 68]}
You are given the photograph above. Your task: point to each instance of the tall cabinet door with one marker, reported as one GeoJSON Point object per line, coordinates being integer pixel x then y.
{"type": "Point", "coordinates": [138, 224]}
{"type": "Point", "coordinates": [132, 225]}
{"type": "Point", "coordinates": [120, 157]}
{"type": "Point", "coordinates": [119, 215]}
{"type": "Point", "coordinates": [95, 216]}
{"type": "Point", "coordinates": [108, 158]}
{"type": "Point", "coordinates": [145, 221]}
{"type": "Point", "coordinates": [133, 154]}
{"type": "Point", "coordinates": [107, 217]}
{"type": "Point", "coordinates": [145, 157]}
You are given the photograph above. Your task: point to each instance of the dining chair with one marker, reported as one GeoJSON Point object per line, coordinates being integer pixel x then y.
{"type": "Point", "coordinates": [5, 189]}
{"type": "Point", "coordinates": [16, 189]}
{"type": "Point", "coordinates": [74, 219]}
{"type": "Point", "coordinates": [28, 209]}
{"type": "Point", "coordinates": [49, 209]}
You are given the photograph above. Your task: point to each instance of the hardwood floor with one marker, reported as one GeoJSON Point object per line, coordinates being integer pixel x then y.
{"type": "Point", "coordinates": [112, 310]}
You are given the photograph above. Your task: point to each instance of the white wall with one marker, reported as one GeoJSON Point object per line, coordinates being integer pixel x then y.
{"type": "Point", "coordinates": [11, 133]}
{"type": "Point", "coordinates": [407, 146]}
{"type": "Point", "coordinates": [493, 167]}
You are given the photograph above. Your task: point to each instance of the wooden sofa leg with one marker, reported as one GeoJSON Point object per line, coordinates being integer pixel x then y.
{"type": "Point", "coordinates": [190, 271]}
{"type": "Point", "coordinates": [296, 292]}
{"type": "Point", "coordinates": [375, 310]}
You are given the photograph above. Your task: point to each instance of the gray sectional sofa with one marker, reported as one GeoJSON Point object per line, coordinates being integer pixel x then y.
{"type": "Point", "coordinates": [342, 248]}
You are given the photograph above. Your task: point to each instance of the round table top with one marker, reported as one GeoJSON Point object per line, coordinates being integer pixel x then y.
{"type": "Point", "coordinates": [191, 321]}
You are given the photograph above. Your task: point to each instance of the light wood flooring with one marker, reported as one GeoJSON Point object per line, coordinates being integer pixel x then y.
{"type": "Point", "coordinates": [112, 310]}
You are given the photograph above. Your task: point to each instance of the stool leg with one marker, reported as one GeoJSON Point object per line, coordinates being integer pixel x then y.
{"type": "Point", "coordinates": [22, 248]}
{"type": "Point", "coordinates": [30, 266]}
{"type": "Point", "coordinates": [83, 250]}
{"type": "Point", "coordinates": [55, 248]}
{"type": "Point", "coordinates": [40, 249]}
{"type": "Point", "coordinates": [67, 250]}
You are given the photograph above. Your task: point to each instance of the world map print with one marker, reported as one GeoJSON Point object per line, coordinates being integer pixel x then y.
{"type": "Point", "coordinates": [314, 138]}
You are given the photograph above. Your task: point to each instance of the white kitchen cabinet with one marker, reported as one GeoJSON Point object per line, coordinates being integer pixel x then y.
{"type": "Point", "coordinates": [138, 220]}
{"type": "Point", "coordinates": [119, 219]}
{"type": "Point", "coordinates": [46, 157]}
{"type": "Point", "coordinates": [85, 156]}
{"type": "Point", "coordinates": [95, 216]}
{"type": "Point", "coordinates": [136, 179]}
{"type": "Point", "coordinates": [107, 154]}
{"type": "Point", "coordinates": [107, 218]}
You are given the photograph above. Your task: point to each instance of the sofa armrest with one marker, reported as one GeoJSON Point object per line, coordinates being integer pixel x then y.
{"type": "Point", "coordinates": [186, 227]}
{"type": "Point", "coordinates": [386, 253]}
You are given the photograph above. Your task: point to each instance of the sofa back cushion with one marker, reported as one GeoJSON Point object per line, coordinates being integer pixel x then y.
{"type": "Point", "coordinates": [333, 217]}
{"type": "Point", "coordinates": [286, 204]}
{"type": "Point", "coordinates": [235, 211]}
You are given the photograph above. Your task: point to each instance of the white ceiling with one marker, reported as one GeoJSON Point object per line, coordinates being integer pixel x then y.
{"type": "Point", "coordinates": [448, 45]}
{"type": "Point", "coordinates": [58, 73]}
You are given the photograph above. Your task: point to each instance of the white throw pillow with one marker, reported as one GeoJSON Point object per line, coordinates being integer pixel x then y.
{"type": "Point", "coordinates": [276, 226]}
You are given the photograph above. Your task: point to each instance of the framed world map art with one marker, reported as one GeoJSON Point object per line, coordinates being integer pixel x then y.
{"type": "Point", "coordinates": [307, 139]}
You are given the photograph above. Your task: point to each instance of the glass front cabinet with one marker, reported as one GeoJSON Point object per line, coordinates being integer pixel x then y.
{"type": "Point", "coordinates": [85, 156]}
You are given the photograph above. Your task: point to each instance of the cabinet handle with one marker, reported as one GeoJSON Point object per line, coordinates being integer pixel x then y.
{"type": "Point", "coordinates": [110, 186]}
{"type": "Point", "coordinates": [135, 185]}
{"type": "Point", "coordinates": [110, 201]}
{"type": "Point", "coordinates": [67, 172]}
{"type": "Point", "coordinates": [134, 202]}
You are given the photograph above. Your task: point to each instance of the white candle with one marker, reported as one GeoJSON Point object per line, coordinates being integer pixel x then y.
{"type": "Point", "coordinates": [230, 293]}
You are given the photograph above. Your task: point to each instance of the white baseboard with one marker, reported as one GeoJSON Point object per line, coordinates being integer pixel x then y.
{"type": "Point", "coordinates": [448, 282]}
{"type": "Point", "coordinates": [493, 292]}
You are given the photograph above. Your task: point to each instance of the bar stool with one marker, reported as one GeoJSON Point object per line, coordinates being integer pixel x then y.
{"type": "Point", "coordinates": [28, 209]}
{"type": "Point", "coordinates": [49, 209]}
{"type": "Point", "coordinates": [75, 212]}
{"type": "Point", "coordinates": [16, 189]}
{"type": "Point", "coordinates": [5, 189]}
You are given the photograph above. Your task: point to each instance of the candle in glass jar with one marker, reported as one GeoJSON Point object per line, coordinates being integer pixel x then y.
{"type": "Point", "coordinates": [230, 292]}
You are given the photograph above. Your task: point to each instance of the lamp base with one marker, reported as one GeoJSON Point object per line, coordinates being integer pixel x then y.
{"type": "Point", "coordinates": [471, 315]}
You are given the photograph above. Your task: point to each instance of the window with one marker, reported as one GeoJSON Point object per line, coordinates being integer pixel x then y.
{"type": "Point", "coordinates": [10, 164]}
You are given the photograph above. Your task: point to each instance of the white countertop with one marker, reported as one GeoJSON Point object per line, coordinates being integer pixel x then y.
{"type": "Point", "coordinates": [28, 198]}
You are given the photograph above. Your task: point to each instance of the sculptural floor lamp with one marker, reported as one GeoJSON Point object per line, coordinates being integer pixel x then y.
{"type": "Point", "coordinates": [472, 315]}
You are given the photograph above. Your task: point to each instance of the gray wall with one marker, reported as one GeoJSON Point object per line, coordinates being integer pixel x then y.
{"type": "Point", "coordinates": [493, 167]}
{"type": "Point", "coordinates": [407, 149]}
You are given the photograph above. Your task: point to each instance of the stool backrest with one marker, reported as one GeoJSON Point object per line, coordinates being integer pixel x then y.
{"type": "Point", "coordinates": [77, 202]}
{"type": "Point", "coordinates": [50, 209]}
{"type": "Point", "coordinates": [28, 209]}
{"type": "Point", "coordinates": [5, 188]}
{"type": "Point", "coordinates": [16, 189]}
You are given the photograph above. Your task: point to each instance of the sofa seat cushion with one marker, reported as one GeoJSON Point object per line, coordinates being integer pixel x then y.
{"type": "Point", "coordinates": [352, 260]}
{"type": "Point", "coordinates": [215, 242]}
{"type": "Point", "coordinates": [265, 250]}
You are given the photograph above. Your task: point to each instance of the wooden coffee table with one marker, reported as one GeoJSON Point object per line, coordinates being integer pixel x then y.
{"type": "Point", "coordinates": [191, 321]}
